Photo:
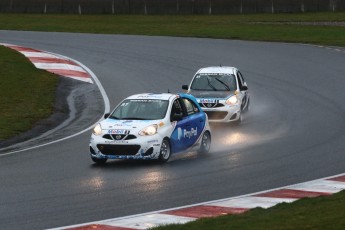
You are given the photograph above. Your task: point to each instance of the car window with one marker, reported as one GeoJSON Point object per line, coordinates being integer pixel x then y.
{"type": "Point", "coordinates": [176, 109]}
{"type": "Point", "coordinates": [240, 79]}
{"type": "Point", "coordinates": [191, 108]}
{"type": "Point", "coordinates": [141, 109]}
{"type": "Point", "coordinates": [214, 82]}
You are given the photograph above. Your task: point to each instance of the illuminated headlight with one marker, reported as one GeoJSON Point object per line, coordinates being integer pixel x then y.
{"type": "Point", "coordinates": [232, 100]}
{"type": "Point", "coordinates": [97, 130]}
{"type": "Point", "coordinates": [149, 130]}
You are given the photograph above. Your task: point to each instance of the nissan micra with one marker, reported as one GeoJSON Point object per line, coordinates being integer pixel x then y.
{"type": "Point", "coordinates": [151, 126]}
{"type": "Point", "coordinates": [221, 92]}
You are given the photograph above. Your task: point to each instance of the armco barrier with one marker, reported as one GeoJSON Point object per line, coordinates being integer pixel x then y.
{"type": "Point", "coordinates": [169, 6]}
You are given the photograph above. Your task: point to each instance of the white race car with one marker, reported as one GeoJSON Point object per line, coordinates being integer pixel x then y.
{"type": "Point", "coordinates": [221, 92]}
{"type": "Point", "coordinates": [151, 126]}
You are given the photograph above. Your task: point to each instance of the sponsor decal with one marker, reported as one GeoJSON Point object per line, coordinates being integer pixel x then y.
{"type": "Point", "coordinates": [116, 142]}
{"type": "Point", "coordinates": [118, 131]}
{"type": "Point", "coordinates": [187, 133]}
{"type": "Point", "coordinates": [206, 101]}
{"type": "Point", "coordinates": [152, 141]}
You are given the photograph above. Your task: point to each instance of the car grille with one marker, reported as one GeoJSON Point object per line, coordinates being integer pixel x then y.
{"type": "Point", "coordinates": [216, 115]}
{"type": "Point", "coordinates": [118, 149]}
{"type": "Point", "coordinates": [119, 137]}
{"type": "Point", "coordinates": [211, 105]}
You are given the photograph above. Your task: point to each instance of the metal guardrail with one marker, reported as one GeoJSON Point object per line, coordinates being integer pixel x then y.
{"type": "Point", "coordinates": [169, 6]}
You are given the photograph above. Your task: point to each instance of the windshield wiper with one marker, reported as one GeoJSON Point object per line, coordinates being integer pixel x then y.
{"type": "Point", "coordinates": [209, 83]}
{"type": "Point", "coordinates": [223, 83]}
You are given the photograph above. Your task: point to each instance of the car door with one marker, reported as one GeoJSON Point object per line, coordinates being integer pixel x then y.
{"type": "Point", "coordinates": [189, 127]}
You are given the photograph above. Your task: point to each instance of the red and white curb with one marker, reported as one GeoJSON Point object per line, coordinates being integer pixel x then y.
{"type": "Point", "coordinates": [234, 205]}
{"type": "Point", "coordinates": [53, 63]}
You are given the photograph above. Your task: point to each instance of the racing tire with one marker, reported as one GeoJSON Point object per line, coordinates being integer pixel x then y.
{"type": "Point", "coordinates": [239, 120]}
{"type": "Point", "coordinates": [247, 107]}
{"type": "Point", "coordinates": [165, 151]}
{"type": "Point", "coordinates": [205, 143]}
{"type": "Point", "coordinates": [99, 160]}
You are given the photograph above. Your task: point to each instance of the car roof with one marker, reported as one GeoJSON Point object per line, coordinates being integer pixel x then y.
{"type": "Point", "coordinates": [218, 69]}
{"type": "Point", "coordinates": [159, 96]}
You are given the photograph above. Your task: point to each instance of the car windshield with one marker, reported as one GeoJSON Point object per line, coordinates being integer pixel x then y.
{"type": "Point", "coordinates": [141, 109]}
{"type": "Point", "coordinates": [214, 82]}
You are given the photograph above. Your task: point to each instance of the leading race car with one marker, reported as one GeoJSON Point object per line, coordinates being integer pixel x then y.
{"type": "Point", "coordinates": [151, 126]}
{"type": "Point", "coordinates": [221, 92]}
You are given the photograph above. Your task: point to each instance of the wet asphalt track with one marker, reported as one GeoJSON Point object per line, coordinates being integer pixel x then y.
{"type": "Point", "coordinates": [294, 132]}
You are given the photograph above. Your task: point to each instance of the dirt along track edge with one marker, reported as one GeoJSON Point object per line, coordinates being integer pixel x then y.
{"type": "Point", "coordinates": [105, 100]}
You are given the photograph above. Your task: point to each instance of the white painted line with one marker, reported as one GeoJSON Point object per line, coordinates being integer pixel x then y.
{"type": "Point", "coordinates": [37, 54]}
{"type": "Point", "coordinates": [325, 186]}
{"type": "Point", "coordinates": [252, 202]}
{"type": "Point", "coordinates": [148, 221]}
{"type": "Point", "coordinates": [49, 66]}
{"type": "Point", "coordinates": [85, 79]}
{"type": "Point", "coordinates": [108, 221]}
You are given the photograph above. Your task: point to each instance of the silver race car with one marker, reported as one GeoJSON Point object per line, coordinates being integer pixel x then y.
{"type": "Point", "coordinates": [221, 92]}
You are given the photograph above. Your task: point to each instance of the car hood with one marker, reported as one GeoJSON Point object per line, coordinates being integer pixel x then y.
{"type": "Point", "coordinates": [108, 124]}
{"type": "Point", "coordinates": [211, 94]}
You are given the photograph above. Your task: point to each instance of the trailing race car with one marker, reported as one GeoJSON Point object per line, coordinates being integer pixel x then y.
{"type": "Point", "coordinates": [221, 92]}
{"type": "Point", "coordinates": [151, 126]}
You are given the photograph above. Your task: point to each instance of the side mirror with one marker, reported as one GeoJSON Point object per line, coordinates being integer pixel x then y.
{"type": "Point", "coordinates": [106, 115]}
{"type": "Point", "coordinates": [244, 87]}
{"type": "Point", "coordinates": [177, 116]}
{"type": "Point", "coordinates": [185, 87]}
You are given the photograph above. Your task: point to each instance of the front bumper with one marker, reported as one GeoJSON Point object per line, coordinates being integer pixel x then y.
{"type": "Point", "coordinates": [145, 147]}
{"type": "Point", "coordinates": [223, 114]}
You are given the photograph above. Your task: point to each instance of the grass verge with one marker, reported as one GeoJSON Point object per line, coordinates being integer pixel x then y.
{"type": "Point", "coordinates": [262, 27]}
{"type": "Point", "coordinates": [307, 213]}
{"type": "Point", "coordinates": [27, 94]}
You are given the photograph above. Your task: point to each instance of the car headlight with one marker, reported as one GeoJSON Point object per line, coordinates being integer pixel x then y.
{"type": "Point", "coordinates": [149, 130]}
{"type": "Point", "coordinates": [97, 130]}
{"type": "Point", "coordinates": [232, 100]}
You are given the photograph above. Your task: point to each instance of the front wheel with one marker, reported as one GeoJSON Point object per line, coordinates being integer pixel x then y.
{"type": "Point", "coordinates": [165, 151]}
{"type": "Point", "coordinates": [205, 143]}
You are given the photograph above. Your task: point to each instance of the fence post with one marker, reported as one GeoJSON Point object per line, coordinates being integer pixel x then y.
{"type": "Point", "coordinates": [145, 8]}
{"type": "Point", "coordinates": [302, 6]}
{"type": "Point", "coordinates": [79, 9]}
{"type": "Point", "coordinates": [113, 7]}
{"type": "Point", "coordinates": [45, 8]}
{"type": "Point", "coordinates": [241, 7]}
{"type": "Point", "coordinates": [332, 5]}
{"type": "Point", "coordinates": [210, 7]}
{"type": "Point", "coordinates": [272, 6]}
{"type": "Point", "coordinates": [192, 6]}
{"type": "Point", "coordinates": [177, 7]}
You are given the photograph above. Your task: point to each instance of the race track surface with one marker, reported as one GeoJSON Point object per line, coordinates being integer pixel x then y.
{"type": "Point", "coordinates": [294, 132]}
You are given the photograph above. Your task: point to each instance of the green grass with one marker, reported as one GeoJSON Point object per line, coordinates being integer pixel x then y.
{"type": "Point", "coordinates": [308, 213]}
{"type": "Point", "coordinates": [26, 93]}
{"type": "Point", "coordinates": [246, 27]}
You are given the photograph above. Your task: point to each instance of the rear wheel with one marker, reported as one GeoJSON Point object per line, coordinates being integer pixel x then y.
{"type": "Point", "coordinates": [205, 143]}
{"type": "Point", "coordinates": [98, 160]}
{"type": "Point", "coordinates": [165, 150]}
